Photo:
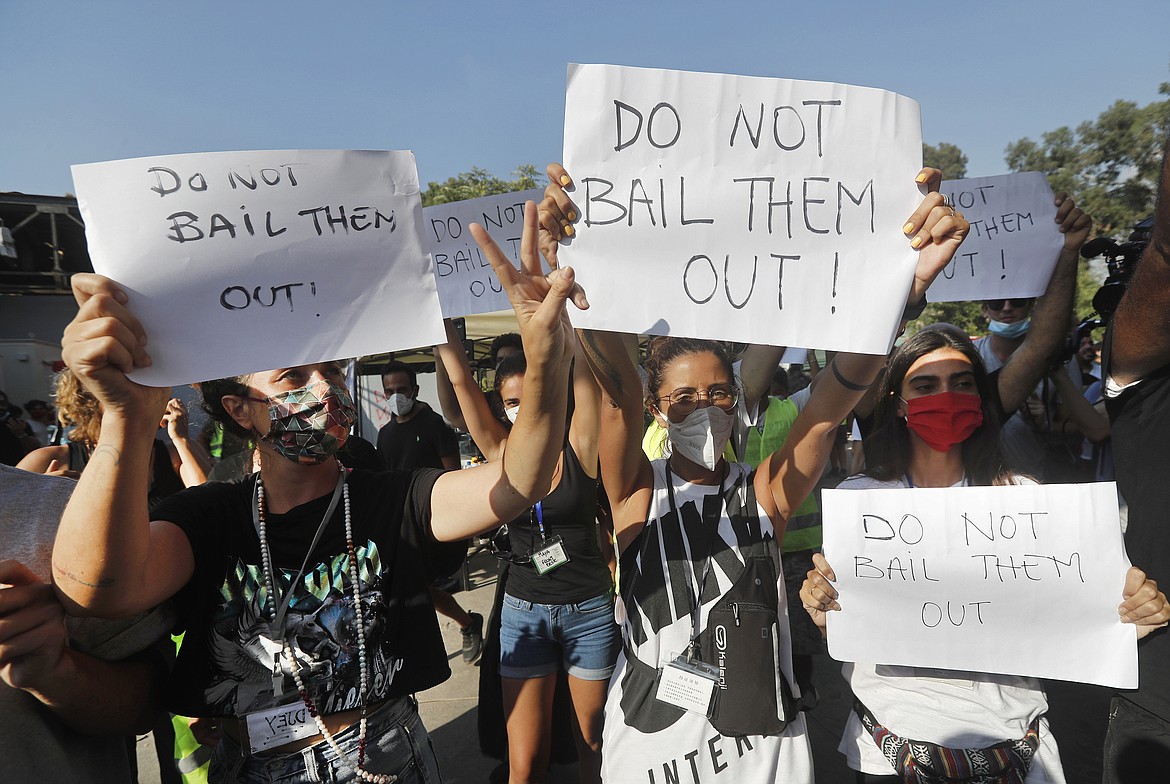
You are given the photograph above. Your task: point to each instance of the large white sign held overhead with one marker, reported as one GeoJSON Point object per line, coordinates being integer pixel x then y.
{"type": "Point", "coordinates": [467, 285]}
{"type": "Point", "coordinates": [741, 208]}
{"type": "Point", "coordinates": [1018, 580]}
{"type": "Point", "coordinates": [1014, 240]}
{"type": "Point", "coordinates": [244, 261]}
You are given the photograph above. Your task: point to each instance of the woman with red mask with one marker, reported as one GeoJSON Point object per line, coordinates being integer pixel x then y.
{"type": "Point", "coordinates": [937, 425]}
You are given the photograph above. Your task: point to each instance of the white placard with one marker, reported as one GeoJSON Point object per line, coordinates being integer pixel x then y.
{"type": "Point", "coordinates": [244, 261]}
{"type": "Point", "coordinates": [467, 285]}
{"type": "Point", "coordinates": [1019, 580]}
{"type": "Point", "coordinates": [741, 208]}
{"type": "Point", "coordinates": [1014, 240]}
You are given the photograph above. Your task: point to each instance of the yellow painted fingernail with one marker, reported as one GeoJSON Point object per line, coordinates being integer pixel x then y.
{"type": "Point", "coordinates": [916, 243]}
{"type": "Point", "coordinates": [568, 230]}
{"type": "Point", "coordinates": [909, 227]}
{"type": "Point", "coordinates": [565, 179]}
{"type": "Point", "coordinates": [921, 177]}
{"type": "Point", "coordinates": [572, 215]}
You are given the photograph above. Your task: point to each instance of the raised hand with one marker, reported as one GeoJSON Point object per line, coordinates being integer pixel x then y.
{"type": "Point", "coordinates": [1143, 604]}
{"type": "Point", "coordinates": [936, 231]}
{"type": "Point", "coordinates": [538, 300]}
{"type": "Point", "coordinates": [557, 213]}
{"type": "Point", "coordinates": [1073, 223]}
{"type": "Point", "coordinates": [175, 419]}
{"type": "Point", "coordinates": [104, 343]}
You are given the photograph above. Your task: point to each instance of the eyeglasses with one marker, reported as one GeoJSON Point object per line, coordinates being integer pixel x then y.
{"type": "Point", "coordinates": [685, 400]}
{"type": "Point", "coordinates": [997, 304]}
{"type": "Point", "coordinates": [500, 546]}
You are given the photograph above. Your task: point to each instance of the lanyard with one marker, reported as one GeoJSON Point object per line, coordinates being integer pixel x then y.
{"type": "Point", "coordinates": [710, 521]}
{"type": "Point", "coordinates": [538, 515]}
{"type": "Point", "coordinates": [278, 619]}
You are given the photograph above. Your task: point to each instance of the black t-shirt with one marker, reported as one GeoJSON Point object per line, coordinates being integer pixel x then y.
{"type": "Point", "coordinates": [1139, 419]}
{"type": "Point", "coordinates": [225, 665]}
{"type": "Point", "coordinates": [570, 512]}
{"type": "Point", "coordinates": [420, 442]}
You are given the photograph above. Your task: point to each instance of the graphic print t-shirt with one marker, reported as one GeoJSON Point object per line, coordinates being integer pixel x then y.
{"type": "Point", "coordinates": [226, 664]}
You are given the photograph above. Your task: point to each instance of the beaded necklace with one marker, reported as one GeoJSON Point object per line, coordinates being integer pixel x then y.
{"type": "Point", "coordinates": [270, 584]}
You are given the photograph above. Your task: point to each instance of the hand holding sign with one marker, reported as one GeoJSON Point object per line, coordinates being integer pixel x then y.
{"type": "Point", "coordinates": [936, 231]}
{"type": "Point", "coordinates": [817, 593]}
{"type": "Point", "coordinates": [1072, 222]}
{"type": "Point", "coordinates": [1144, 605]}
{"type": "Point", "coordinates": [104, 343]}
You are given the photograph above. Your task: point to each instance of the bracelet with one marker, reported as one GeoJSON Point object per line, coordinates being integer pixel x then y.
{"type": "Point", "coordinates": [912, 312]}
{"type": "Point", "coordinates": [844, 381]}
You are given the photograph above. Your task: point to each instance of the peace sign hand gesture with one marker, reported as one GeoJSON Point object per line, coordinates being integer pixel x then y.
{"type": "Point", "coordinates": [538, 300]}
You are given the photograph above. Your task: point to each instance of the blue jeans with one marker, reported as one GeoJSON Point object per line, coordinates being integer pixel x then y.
{"type": "Point", "coordinates": [396, 743]}
{"type": "Point", "coordinates": [536, 639]}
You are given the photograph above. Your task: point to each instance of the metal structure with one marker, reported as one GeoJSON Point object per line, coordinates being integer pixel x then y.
{"type": "Point", "coordinates": [48, 238]}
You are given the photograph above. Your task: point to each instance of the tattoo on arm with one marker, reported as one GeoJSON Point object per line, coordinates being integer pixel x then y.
{"type": "Point", "coordinates": [103, 449]}
{"type": "Point", "coordinates": [601, 362]}
{"type": "Point", "coordinates": [107, 582]}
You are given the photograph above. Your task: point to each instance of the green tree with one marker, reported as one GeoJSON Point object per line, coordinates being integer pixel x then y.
{"type": "Point", "coordinates": [1110, 165]}
{"type": "Point", "coordinates": [478, 182]}
{"type": "Point", "coordinates": [947, 158]}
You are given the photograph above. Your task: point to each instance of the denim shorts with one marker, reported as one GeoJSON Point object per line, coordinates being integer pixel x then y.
{"type": "Point", "coordinates": [536, 639]}
{"type": "Point", "coordinates": [396, 743]}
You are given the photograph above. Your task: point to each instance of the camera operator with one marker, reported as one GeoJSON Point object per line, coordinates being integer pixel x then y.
{"type": "Point", "coordinates": [1137, 371]}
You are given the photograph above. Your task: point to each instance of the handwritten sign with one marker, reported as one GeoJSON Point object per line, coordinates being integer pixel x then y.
{"type": "Point", "coordinates": [1014, 240]}
{"type": "Point", "coordinates": [741, 208]}
{"type": "Point", "coordinates": [1019, 580]}
{"type": "Point", "coordinates": [243, 261]}
{"type": "Point", "coordinates": [467, 285]}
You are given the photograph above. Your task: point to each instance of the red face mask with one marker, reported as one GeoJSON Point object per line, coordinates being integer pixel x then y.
{"type": "Point", "coordinates": [944, 419]}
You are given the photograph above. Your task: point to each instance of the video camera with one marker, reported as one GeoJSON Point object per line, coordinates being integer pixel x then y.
{"type": "Point", "coordinates": [1120, 259]}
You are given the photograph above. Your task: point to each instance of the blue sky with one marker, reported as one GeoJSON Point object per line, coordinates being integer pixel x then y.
{"type": "Point", "coordinates": [482, 84]}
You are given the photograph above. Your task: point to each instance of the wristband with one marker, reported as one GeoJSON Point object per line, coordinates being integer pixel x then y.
{"type": "Point", "coordinates": [844, 381]}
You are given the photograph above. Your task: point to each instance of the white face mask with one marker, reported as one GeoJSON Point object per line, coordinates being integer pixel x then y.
{"type": "Point", "coordinates": [400, 404]}
{"type": "Point", "coordinates": [512, 413]}
{"type": "Point", "coordinates": [702, 436]}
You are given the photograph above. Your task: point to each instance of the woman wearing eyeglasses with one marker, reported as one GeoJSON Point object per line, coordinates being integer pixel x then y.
{"type": "Point", "coordinates": [557, 608]}
{"type": "Point", "coordinates": [704, 682]}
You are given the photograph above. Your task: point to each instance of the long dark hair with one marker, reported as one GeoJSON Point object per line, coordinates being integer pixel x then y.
{"type": "Point", "coordinates": [887, 449]}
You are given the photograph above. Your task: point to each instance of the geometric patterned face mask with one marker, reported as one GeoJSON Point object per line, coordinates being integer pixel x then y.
{"type": "Point", "coordinates": [309, 425]}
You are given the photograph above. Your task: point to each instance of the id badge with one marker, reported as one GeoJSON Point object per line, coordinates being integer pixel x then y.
{"type": "Point", "coordinates": [280, 725]}
{"type": "Point", "coordinates": [549, 555]}
{"type": "Point", "coordinates": [687, 684]}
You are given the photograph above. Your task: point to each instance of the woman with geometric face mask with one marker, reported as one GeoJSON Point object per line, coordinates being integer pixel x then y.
{"type": "Point", "coordinates": [936, 426]}
{"type": "Point", "coordinates": [303, 587]}
{"type": "Point", "coordinates": [705, 669]}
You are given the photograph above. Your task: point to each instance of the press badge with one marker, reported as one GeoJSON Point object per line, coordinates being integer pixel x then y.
{"type": "Point", "coordinates": [688, 684]}
{"type": "Point", "coordinates": [549, 555]}
{"type": "Point", "coordinates": [280, 725]}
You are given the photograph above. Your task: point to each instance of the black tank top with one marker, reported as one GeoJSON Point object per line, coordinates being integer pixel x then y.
{"type": "Point", "coordinates": [570, 512]}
